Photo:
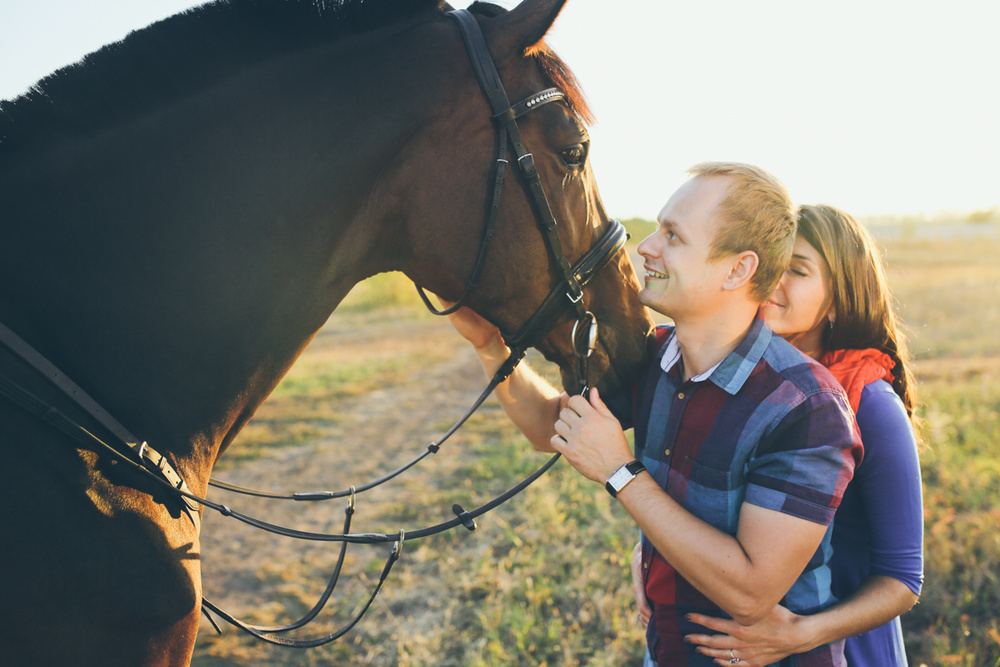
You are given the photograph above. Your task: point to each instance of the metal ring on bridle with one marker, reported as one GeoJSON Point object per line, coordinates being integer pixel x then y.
{"type": "Point", "coordinates": [590, 341]}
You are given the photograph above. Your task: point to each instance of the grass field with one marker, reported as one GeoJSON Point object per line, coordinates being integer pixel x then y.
{"type": "Point", "coordinates": [949, 297]}
{"type": "Point", "coordinates": [544, 580]}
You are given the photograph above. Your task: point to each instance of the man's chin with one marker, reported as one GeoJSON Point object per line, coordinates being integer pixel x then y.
{"type": "Point", "coordinates": [653, 301]}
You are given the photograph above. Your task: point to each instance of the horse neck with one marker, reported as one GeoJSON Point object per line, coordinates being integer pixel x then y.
{"type": "Point", "coordinates": [176, 266]}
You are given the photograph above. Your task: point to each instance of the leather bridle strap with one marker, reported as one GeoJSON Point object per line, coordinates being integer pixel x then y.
{"type": "Point", "coordinates": [505, 116]}
{"type": "Point", "coordinates": [574, 277]}
{"type": "Point", "coordinates": [546, 315]}
{"type": "Point", "coordinates": [270, 633]}
{"type": "Point", "coordinates": [138, 451]}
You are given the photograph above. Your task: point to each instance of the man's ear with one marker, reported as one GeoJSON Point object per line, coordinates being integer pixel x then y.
{"type": "Point", "coordinates": [741, 269]}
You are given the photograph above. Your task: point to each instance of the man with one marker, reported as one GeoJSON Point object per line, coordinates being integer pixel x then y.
{"type": "Point", "coordinates": [746, 444]}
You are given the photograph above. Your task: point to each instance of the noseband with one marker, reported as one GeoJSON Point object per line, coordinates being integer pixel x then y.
{"type": "Point", "coordinates": [568, 292]}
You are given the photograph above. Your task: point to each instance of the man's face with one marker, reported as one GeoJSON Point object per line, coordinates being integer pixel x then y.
{"type": "Point", "coordinates": [680, 279]}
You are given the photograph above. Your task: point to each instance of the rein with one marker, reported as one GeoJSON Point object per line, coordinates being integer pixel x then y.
{"type": "Point", "coordinates": [154, 467]}
{"type": "Point", "coordinates": [145, 460]}
{"type": "Point", "coordinates": [139, 453]}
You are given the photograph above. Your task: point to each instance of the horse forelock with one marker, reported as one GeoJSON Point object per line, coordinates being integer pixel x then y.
{"type": "Point", "coordinates": [561, 77]}
{"type": "Point", "coordinates": [180, 56]}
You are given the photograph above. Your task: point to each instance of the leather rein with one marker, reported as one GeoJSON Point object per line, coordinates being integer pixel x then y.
{"type": "Point", "coordinates": [568, 292]}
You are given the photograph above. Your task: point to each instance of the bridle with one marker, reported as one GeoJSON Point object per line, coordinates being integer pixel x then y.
{"type": "Point", "coordinates": [568, 292]}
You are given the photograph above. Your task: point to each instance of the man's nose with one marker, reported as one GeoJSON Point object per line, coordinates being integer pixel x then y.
{"type": "Point", "coordinates": [645, 247]}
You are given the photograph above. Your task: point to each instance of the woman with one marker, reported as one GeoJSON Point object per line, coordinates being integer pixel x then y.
{"type": "Point", "coordinates": [833, 303]}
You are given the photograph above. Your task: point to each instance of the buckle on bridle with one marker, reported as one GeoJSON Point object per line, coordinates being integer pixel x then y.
{"type": "Point", "coordinates": [397, 546]}
{"type": "Point", "coordinates": [526, 163]}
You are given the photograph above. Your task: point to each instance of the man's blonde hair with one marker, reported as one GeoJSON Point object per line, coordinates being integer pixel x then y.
{"type": "Point", "coordinates": [756, 214]}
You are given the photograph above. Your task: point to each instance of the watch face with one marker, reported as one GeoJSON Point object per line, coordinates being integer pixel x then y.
{"type": "Point", "coordinates": [619, 478]}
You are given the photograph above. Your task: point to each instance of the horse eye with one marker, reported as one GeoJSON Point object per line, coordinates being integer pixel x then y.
{"type": "Point", "coordinates": [575, 156]}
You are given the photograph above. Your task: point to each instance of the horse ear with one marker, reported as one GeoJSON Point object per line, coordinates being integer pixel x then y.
{"type": "Point", "coordinates": [524, 26]}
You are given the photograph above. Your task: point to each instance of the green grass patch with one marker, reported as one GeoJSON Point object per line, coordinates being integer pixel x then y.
{"type": "Point", "coordinates": [385, 290]}
{"type": "Point", "coordinates": [956, 621]}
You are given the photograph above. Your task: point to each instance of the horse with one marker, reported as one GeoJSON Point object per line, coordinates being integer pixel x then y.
{"type": "Point", "coordinates": [181, 212]}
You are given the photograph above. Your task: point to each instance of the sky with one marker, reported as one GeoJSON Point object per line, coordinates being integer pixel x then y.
{"type": "Point", "coordinates": [875, 106]}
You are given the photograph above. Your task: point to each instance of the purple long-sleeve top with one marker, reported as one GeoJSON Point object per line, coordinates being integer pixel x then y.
{"type": "Point", "coordinates": [878, 529]}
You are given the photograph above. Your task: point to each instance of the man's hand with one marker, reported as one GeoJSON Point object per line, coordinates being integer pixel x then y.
{"type": "Point", "coordinates": [590, 438]}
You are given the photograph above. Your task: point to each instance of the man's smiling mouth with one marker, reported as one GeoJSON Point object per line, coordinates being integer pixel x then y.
{"type": "Point", "coordinates": [654, 274]}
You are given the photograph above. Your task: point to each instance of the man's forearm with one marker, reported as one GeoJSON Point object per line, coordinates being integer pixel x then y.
{"type": "Point", "coordinates": [740, 574]}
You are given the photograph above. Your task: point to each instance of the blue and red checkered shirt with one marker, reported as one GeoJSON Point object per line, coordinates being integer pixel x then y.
{"type": "Point", "coordinates": [767, 426]}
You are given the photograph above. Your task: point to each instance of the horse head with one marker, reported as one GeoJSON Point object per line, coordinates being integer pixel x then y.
{"type": "Point", "coordinates": [521, 268]}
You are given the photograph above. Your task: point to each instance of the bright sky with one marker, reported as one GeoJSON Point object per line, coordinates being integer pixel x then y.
{"type": "Point", "coordinates": [875, 106]}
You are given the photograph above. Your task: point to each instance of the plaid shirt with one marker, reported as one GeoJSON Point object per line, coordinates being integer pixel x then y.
{"type": "Point", "coordinates": [767, 426]}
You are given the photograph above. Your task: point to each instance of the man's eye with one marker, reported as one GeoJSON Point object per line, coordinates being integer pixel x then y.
{"type": "Point", "coordinates": [575, 156]}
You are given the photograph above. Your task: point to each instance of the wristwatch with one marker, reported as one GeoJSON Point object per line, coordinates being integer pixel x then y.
{"type": "Point", "coordinates": [623, 476]}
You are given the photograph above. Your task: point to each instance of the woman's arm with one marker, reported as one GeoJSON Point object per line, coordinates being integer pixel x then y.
{"type": "Point", "coordinates": [782, 633]}
{"type": "Point", "coordinates": [889, 482]}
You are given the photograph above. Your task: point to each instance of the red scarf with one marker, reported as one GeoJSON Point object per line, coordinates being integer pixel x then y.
{"type": "Point", "coordinates": [854, 369]}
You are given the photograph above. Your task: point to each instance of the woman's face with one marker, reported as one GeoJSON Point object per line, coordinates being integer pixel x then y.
{"type": "Point", "coordinates": [802, 305]}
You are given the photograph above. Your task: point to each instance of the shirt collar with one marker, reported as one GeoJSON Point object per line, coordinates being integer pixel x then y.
{"type": "Point", "coordinates": [672, 355]}
{"type": "Point", "coordinates": [730, 373]}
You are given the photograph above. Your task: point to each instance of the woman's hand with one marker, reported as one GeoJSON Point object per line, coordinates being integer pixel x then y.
{"type": "Point", "coordinates": [776, 636]}
{"type": "Point", "coordinates": [638, 586]}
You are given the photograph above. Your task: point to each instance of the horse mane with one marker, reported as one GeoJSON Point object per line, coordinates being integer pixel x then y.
{"type": "Point", "coordinates": [561, 77]}
{"type": "Point", "coordinates": [190, 51]}
{"type": "Point", "coordinates": [182, 55]}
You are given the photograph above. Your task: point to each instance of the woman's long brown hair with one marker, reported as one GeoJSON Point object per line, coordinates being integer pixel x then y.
{"type": "Point", "coordinates": [863, 301]}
